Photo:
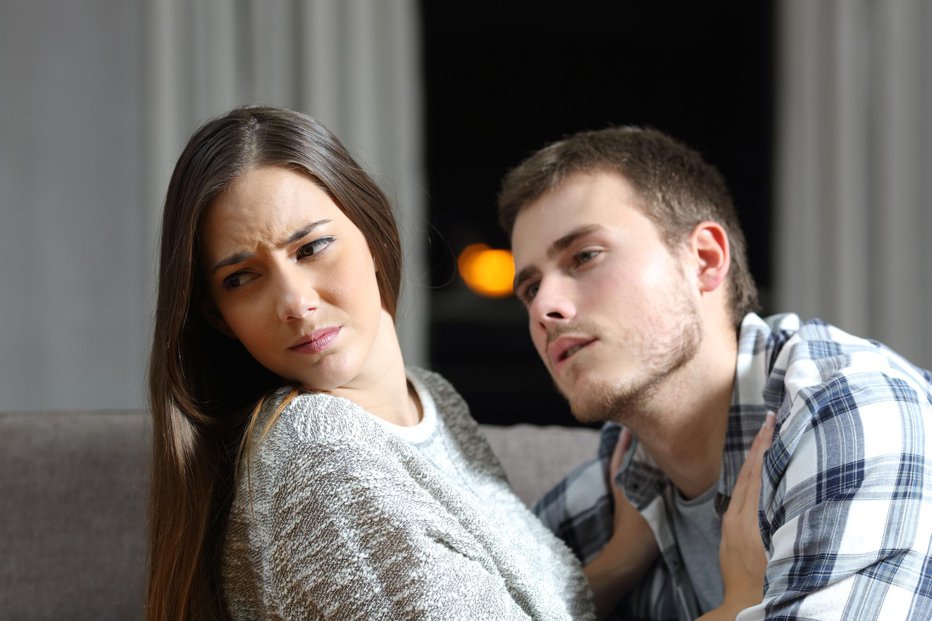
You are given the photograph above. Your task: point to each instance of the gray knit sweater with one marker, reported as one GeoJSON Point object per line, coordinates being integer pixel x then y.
{"type": "Point", "coordinates": [343, 518]}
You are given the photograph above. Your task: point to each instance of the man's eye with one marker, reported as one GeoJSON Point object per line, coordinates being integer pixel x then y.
{"type": "Point", "coordinates": [314, 247]}
{"type": "Point", "coordinates": [527, 293]}
{"type": "Point", "coordinates": [585, 256]}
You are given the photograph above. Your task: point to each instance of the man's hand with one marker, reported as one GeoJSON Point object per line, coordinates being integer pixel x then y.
{"type": "Point", "coordinates": [629, 553]}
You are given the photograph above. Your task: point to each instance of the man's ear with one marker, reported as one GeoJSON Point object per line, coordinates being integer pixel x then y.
{"type": "Point", "coordinates": [214, 319]}
{"type": "Point", "coordinates": [709, 246]}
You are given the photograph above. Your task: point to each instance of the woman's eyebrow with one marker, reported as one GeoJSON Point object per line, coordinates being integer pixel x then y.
{"type": "Point", "coordinates": [303, 232]}
{"type": "Point", "coordinates": [239, 257]}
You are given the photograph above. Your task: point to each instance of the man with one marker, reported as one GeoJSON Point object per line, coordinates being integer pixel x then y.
{"type": "Point", "coordinates": [631, 263]}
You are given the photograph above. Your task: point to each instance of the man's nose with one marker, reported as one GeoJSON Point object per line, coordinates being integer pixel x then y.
{"type": "Point", "coordinates": [553, 302]}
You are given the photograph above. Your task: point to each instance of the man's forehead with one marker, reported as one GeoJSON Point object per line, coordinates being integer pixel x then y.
{"type": "Point", "coordinates": [580, 199]}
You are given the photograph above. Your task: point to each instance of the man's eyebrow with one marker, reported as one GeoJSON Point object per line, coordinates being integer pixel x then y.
{"type": "Point", "coordinates": [556, 248]}
{"type": "Point", "coordinates": [238, 257]}
{"type": "Point", "coordinates": [523, 275]}
{"type": "Point", "coordinates": [567, 240]}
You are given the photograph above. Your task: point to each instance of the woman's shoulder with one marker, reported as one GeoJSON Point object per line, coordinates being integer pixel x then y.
{"type": "Point", "coordinates": [450, 406]}
{"type": "Point", "coordinates": [312, 440]}
{"type": "Point", "coordinates": [448, 400]}
{"type": "Point", "coordinates": [454, 412]}
{"type": "Point", "coordinates": [311, 419]}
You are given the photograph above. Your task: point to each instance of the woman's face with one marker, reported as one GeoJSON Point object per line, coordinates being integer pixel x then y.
{"type": "Point", "coordinates": [293, 279]}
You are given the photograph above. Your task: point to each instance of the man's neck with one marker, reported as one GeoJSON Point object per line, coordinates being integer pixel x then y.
{"type": "Point", "coordinates": [684, 429]}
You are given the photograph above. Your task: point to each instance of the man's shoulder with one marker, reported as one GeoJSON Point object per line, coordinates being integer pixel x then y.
{"type": "Point", "coordinates": [844, 401]}
{"type": "Point", "coordinates": [814, 355]}
{"type": "Point", "coordinates": [830, 388]}
{"type": "Point", "coordinates": [792, 338]}
{"type": "Point", "coordinates": [843, 485]}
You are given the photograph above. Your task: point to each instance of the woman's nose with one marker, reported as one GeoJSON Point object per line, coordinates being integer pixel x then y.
{"type": "Point", "coordinates": [297, 296]}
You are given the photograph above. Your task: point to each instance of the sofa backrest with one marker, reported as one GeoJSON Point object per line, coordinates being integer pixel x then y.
{"type": "Point", "coordinates": [74, 484]}
{"type": "Point", "coordinates": [72, 528]}
{"type": "Point", "coordinates": [536, 458]}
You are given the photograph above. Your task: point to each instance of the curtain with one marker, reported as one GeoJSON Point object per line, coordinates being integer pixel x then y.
{"type": "Point", "coordinates": [854, 163]}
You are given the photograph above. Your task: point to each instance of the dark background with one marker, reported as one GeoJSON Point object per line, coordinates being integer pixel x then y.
{"type": "Point", "coordinates": [504, 78]}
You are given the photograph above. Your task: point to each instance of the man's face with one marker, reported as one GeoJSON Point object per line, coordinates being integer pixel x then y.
{"type": "Point", "coordinates": [611, 310]}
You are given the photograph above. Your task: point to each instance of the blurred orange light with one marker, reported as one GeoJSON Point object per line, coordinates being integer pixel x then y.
{"type": "Point", "coordinates": [487, 271]}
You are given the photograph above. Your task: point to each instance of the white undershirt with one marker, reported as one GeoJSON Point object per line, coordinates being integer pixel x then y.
{"type": "Point", "coordinates": [418, 433]}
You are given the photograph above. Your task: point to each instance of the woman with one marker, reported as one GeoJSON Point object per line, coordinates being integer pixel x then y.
{"type": "Point", "coordinates": [300, 470]}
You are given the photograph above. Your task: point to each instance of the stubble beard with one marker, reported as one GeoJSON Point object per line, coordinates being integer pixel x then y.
{"type": "Point", "coordinates": [662, 354]}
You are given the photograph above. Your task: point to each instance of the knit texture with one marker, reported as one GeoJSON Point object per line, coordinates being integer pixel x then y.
{"type": "Point", "coordinates": [339, 518]}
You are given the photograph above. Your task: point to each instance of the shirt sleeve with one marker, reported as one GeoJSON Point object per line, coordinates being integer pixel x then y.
{"type": "Point", "coordinates": [578, 509]}
{"type": "Point", "coordinates": [847, 503]}
{"type": "Point", "coordinates": [354, 536]}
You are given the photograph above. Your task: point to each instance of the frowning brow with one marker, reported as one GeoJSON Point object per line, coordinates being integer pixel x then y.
{"type": "Point", "coordinates": [556, 248]}
{"type": "Point", "coordinates": [303, 232]}
{"type": "Point", "coordinates": [239, 257]}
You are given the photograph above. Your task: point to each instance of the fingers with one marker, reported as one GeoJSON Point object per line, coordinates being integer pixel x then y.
{"type": "Point", "coordinates": [761, 445]}
{"type": "Point", "coordinates": [746, 495]}
{"type": "Point", "coordinates": [764, 437]}
{"type": "Point", "coordinates": [618, 454]}
{"type": "Point", "coordinates": [742, 557]}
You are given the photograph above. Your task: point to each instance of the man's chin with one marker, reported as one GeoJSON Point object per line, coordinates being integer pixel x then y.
{"type": "Point", "coordinates": [588, 415]}
{"type": "Point", "coordinates": [597, 402]}
{"type": "Point", "coordinates": [592, 396]}
{"type": "Point", "coordinates": [592, 404]}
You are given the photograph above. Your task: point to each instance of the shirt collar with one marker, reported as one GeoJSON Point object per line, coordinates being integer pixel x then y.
{"type": "Point", "coordinates": [755, 393]}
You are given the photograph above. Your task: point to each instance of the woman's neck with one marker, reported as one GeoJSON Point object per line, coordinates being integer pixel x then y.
{"type": "Point", "coordinates": [382, 389]}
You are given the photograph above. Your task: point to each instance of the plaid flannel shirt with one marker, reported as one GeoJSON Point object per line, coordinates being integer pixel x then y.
{"type": "Point", "coordinates": [846, 499]}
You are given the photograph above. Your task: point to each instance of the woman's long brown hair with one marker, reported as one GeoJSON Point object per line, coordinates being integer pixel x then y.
{"type": "Point", "coordinates": [204, 386]}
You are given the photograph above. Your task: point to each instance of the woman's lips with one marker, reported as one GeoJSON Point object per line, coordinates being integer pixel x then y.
{"type": "Point", "coordinates": [318, 341]}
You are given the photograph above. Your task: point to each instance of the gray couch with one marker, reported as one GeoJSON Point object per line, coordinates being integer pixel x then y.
{"type": "Point", "coordinates": [73, 494]}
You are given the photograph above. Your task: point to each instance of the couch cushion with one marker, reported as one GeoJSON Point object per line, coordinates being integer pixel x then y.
{"type": "Point", "coordinates": [536, 458]}
{"type": "Point", "coordinates": [74, 488]}
{"type": "Point", "coordinates": [72, 528]}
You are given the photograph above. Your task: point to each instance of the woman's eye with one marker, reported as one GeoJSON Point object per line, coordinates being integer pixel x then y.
{"type": "Point", "coordinates": [314, 247]}
{"type": "Point", "coordinates": [237, 280]}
